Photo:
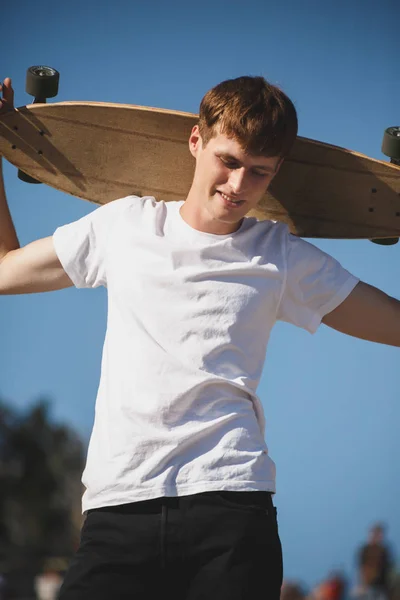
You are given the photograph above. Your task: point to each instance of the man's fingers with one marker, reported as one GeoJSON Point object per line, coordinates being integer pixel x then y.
{"type": "Point", "coordinates": [8, 91]}
{"type": "Point", "coordinates": [8, 94]}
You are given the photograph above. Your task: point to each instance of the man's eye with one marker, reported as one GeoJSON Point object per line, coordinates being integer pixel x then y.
{"type": "Point", "coordinates": [229, 164]}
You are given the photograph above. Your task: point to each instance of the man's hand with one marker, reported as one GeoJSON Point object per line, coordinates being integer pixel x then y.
{"type": "Point", "coordinates": [368, 314]}
{"type": "Point", "coordinates": [7, 96]}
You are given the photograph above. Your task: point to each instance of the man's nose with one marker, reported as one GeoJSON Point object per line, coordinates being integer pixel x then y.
{"type": "Point", "coordinates": [237, 180]}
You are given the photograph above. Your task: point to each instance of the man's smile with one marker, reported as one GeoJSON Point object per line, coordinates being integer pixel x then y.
{"type": "Point", "coordinates": [231, 200]}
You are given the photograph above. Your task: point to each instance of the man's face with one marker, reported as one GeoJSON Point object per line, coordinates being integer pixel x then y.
{"type": "Point", "coordinates": [228, 183]}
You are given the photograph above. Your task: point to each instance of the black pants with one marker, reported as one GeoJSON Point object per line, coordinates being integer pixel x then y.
{"type": "Point", "coordinates": [214, 545]}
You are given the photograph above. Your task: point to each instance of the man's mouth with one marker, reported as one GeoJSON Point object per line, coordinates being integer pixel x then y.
{"type": "Point", "coordinates": [229, 200]}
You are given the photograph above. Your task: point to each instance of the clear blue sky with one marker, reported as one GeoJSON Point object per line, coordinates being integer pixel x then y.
{"type": "Point", "coordinates": [331, 402]}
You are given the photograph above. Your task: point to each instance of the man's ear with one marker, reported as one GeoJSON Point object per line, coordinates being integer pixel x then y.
{"type": "Point", "coordinates": [195, 142]}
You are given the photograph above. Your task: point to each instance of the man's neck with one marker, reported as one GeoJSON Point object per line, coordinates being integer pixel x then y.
{"type": "Point", "coordinates": [194, 212]}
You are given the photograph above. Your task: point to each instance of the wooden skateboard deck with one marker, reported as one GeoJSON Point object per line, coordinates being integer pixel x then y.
{"type": "Point", "coordinates": [100, 152]}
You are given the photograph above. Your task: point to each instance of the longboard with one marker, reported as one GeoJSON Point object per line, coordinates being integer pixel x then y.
{"type": "Point", "coordinates": [100, 152]}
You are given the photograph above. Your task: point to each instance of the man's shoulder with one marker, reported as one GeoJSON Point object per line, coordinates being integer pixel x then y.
{"type": "Point", "coordinates": [265, 232]}
{"type": "Point", "coordinates": [265, 225]}
{"type": "Point", "coordinates": [135, 202]}
{"type": "Point", "coordinates": [127, 206]}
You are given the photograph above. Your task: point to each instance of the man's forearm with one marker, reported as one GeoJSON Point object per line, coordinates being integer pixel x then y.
{"type": "Point", "coordinates": [8, 236]}
{"type": "Point", "coordinates": [369, 314]}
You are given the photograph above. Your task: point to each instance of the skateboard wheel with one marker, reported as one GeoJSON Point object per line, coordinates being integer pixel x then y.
{"type": "Point", "coordinates": [27, 178]}
{"type": "Point", "coordinates": [42, 82]}
{"type": "Point", "coordinates": [385, 241]}
{"type": "Point", "coordinates": [391, 142]}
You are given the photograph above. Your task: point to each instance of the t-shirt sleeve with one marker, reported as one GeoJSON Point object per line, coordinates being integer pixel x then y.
{"type": "Point", "coordinates": [315, 284]}
{"type": "Point", "coordinates": [81, 246]}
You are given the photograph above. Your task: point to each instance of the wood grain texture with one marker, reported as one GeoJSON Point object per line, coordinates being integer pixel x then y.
{"type": "Point", "coordinates": [100, 152]}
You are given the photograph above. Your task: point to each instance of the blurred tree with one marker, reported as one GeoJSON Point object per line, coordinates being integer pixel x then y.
{"type": "Point", "coordinates": [40, 490]}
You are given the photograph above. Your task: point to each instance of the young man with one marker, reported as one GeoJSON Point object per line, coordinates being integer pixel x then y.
{"type": "Point", "coordinates": [178, 477]}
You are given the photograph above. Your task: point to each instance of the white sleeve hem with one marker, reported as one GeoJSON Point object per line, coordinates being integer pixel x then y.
{"type": "Point", "coordinates": [66, 265]}
{"type": "Point", "coordinates": [333, 303]}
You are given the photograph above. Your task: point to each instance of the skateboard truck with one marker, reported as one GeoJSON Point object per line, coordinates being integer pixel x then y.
{"type": "Point", "coordinates": [391, 148]}
{"type": "Point", "coordinates": [41, 83]}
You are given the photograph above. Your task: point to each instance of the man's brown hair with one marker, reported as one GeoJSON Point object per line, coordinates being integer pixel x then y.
{"type": "Point", "coordinates": [254, 112]}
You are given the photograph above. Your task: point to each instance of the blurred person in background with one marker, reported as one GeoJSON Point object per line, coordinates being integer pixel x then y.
{"type": "Point", "coordinates": [332, 588]}
{"type": "Point", "coordinates": [395, 585]}
{"type": "Point", "coordinates": [47, 584]}
{"type": "Point", "coordinates": [374, 561]}
{"type": "Point", "coordinates": [292, 590]}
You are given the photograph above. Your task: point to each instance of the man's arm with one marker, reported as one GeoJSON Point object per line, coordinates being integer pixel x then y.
{"type": "Point", "coordinates": [8, 236]}
{"type": "Point", "coordinates": [369, 314]}
{"type": "Point", "coordinates": [34, 268]}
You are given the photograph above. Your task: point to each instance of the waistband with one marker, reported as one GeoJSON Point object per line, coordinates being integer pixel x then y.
{"type": "Point", "coordinates": [156, 505]}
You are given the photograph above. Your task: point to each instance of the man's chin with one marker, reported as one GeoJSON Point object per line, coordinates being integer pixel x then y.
{"type": "Point", "coordinates": [229, 223]}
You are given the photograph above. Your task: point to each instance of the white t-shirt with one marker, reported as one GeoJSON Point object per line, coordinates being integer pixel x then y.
{"type": "Point", "coordinates": [189, 318]}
